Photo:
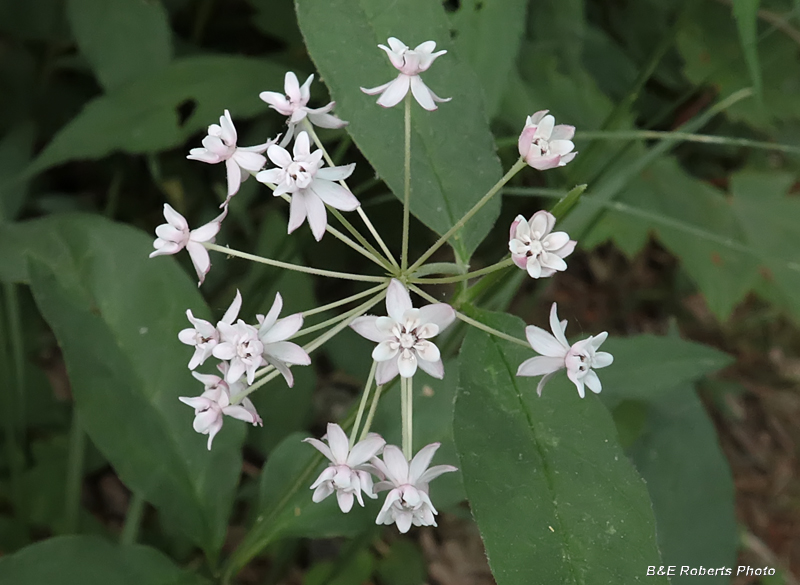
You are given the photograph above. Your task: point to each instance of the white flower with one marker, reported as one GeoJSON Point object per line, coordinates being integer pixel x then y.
{"type": "Point", "coordinates": [408, 502]}
{"type": "Point", "coordinates": [274, 332]}
{"type": "Point", "coordinates": [239, 343]}
{"type": "Point", "coordinates": [220, 145]}
{"type": "Point", "coordinates": [215, 402]}
{"type": "Point", "coordinates": [311, 186]}
{"type": "Point", "coordinates": [545, 145]}
{"type": "Point", "coordinates": [410, 63]}
{"type": "Point", "coordinates": [347, 475]}
{"type": "Point", "coordinates": [535, 249]}
{"type": "Point", "coordinates": [174, 236]}
{"type": "Point", "coordinates": [403, 336]}
{"type": "Point", "coordinates": [580, 359]}
{"type": "Point", "coordinates": [204, 336]}
{"type": "Point", "coordinates": [293, 104]}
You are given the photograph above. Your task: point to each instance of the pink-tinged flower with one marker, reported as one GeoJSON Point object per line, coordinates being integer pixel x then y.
{"type": "Point", "coordinates": [348, 474]}
{"type": "Point", "coordinates": [408, 502]}
{"type": "Point", "coordinates": [580, 359]}
{"type": "Point", "coordinates": [311, 186]}
{"type": "Point", "coordinates": [536, 248]}
{"type": "Point", "coordinates": [293, 103]}
{"type": "Point", "coordinates": [239, 344]}
{"type": "Point", "coordinates": [274, 332]}
{"type": "Point", "coordinates": [174, 236]}
{"type": "Point", "coordinates": [410, 63]}
{"type": "Point", "coordinates": [220, 146]}
{"type": "Point", "coordinates": [403, 336]}
{"type": "Point", "coordinates": [215, 402]}
{"type": "Point", "coordinates": [545, 145]}
{"type": "Point", "coordinates": [204, 336]}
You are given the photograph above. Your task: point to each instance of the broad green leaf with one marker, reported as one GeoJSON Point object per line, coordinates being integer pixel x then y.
{"type": "Point", "coordinates": [116, 315]}
{"type": "Point", "coordinates": [549, 472]}
{"type": "Point", "coordinates": [746, 14]}
{"type": "Point", "coordinates": [16, 148]}
{"type": "Point", "coordinates": [488, 36]}
{"type": "Point", "coordinates": [143, 116]}
{"type": "Point", "coordinates": [558, 28]}
{"type": "Point", "coordinates": [452, 154]}
{"type": "Point", "coordinates": [348, 569]}
{"type": "Point", "coordinates": [88, 560]}
{"type": "Point", "coordinates": [122, 39]}
{"type": "Point", "coordinates": [690, 485]}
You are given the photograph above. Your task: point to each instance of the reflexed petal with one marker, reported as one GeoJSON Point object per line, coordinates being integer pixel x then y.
{"type": "Point", "coordinates": [321, 447]}
{"type": "Point", "coordinates": [205, 233]}
{"type": "Point", "coordinates": [385, 350]}
{"type": "Point", "coordinates": [297, 211]}
{"type": "Point", "coordinates": [171, 234]}
{"type": "Point", "coordinates": [593, 382]}
{"type": "Point", "coordinates": [544, 343]}
{"type": "Point", "coordinates": [555, 326]}
{"type": "Point", "coordinates": [327, 474]}
{"type": "Point", "coordinates": [422, 94]}
{"type": "Point", "coordinates": [365, 450]}
{"type": "Point", "coordinates": [287, 352]}
{"type": "Point", "coordinates": [228, 133]}
{"type": "Point", "coordinates": [365, 327]}
{"type": "Point", "coordinates": [435, 369]}
{"type": "Point", "coordinates": [577, 381]}
{"type": "Point", "coordinates": [386, 372]}
{"type": "Point", "coordinates": [277, 101]}
{"type": "Point", "coordinates": [403, 521]}
{"type": "Point", "coordinates": [274, 176]}
{"type": "Point", "coordinates": [421, 461]}
{"type": "Point", "coordinates": [203, 155]}
{"type": "Point", "coordinates": [334, 195]}
{"type": "Point", "coordinates": [239, 412]}
{"type": "Point", "coordinates": [224, 351]}
{"type": "Point", "coordinates": [597, 340]}
{"type": "Point", "coordinates": [542, 382]}
{"type": "Point", "coordinates": [200, 259]}
{"type": "Point", "coordinates": [324, 120]}
{"type": "Point", "coordinates": [206, 419]}
{"type": "Point", "coordinates": [212, 432]}
{"type": "Point", "coordinates": [250, 161]}
{"type": "Point", "coordinates": [235, 371]}
{"type": "Point", "coordinates": [396, 465]}
{"type": "Point", "coordinates": [338, 442]}
{"type": "Point", "coordinates": [196, 402]}
{"type": "Point", "coordinates": [397, 45]}
{"type": "Point", "coordinates": [275, 310]}
{"type": "Point", "coordinates": [305, 89]}
{"type": "Point", "coordinates": [396, 91]}
{"type": "Point", "coordinates": [433, 473]}
{"type": "Point", "coordinates": [540, 365]}
{"type": "Point", "coordinates": [386, 515]}
{"type": "Point", "coordinates": [398, 301]}
{"type": "Point", "coordinates": [322, 492]}
{"type": "Point", "coordinates": [602, 359]}
{"type": "Point", "coordinates": [377, 90]}
{"type": "Point", "coordinates": [345, 500]}
{"type": "Point", "coordinates": [336, 173]}
{"type": "Point", "coordinates": [234, 176]}
{"type": "Point", "coordinates": [317, 216]}
{"type": "Point", "coordinates": [187, 336]}
{"type": "Point", "coordinates": [407, 364]}
{"type": "Point", "coordinates": [440, 314]}
{"type": "Point", "coordinates": [214, 144]}
{"type": "Point", "coordinates": [174, 218]}
{"type": "Point", "coordinates": [284, 370]}
{"type": "Point", "coordinates": [200, 355]}
{"type": "Point", "coordinates": [282, 329]}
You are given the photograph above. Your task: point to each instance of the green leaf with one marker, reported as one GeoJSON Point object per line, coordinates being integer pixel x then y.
{"type": "Point", "coordinates": [16, 148]}
{"type": "Point", "coordinates": [746, 14]}
{"type": "Point", "coordinates": [548, 471]}
{"type": "Point", "coordinates": [690, 485]}
{"type": "Point", "coordinates": [88, 560]}
{"type": "Point", "coordinates": [453, 163]}
{"type": "Point", "coordinates": [143, 115]}
{"type": "Point", "coordinates": [488, 36]}
{"type": "Point", "coordinates": [122, 39]}
{"type": "Point", "coordinates": [116, 314]}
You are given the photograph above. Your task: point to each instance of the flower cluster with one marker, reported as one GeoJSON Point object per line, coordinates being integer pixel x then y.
{"type": "Point", "coordinates": [350, 473]}
{"type": "Point", "coordinates": [404, 336]}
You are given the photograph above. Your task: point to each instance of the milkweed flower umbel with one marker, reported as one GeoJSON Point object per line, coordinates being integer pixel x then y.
{"type": "Point", "coordinates": [293, 103]}
{"type": "Point", "coordinates": [204, 336]}
{"type": "Point", "coordinates": [220, 146]}
{"type": "Point", "coordinates": [174, 236]}
{"type": "Point", "coordinates": [403, 336]}
{"type": "Point", "coordinates": [535, 247]}
{"type": "Point", "coordinates": [311, 185]}
{"type": "Point", "coordinates": [408, 501]}
{"type": "Point", "coordinates": [580, 359]}
{"type": "Point", "coordinates": [348, 473]}
{"type": "Point", "coordinates": [545, 145]}
{"type": "Point", "coordinates": [410, 63]}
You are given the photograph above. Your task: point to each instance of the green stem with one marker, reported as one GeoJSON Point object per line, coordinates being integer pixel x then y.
{"type": "Point", "coordinates": [518, 166]}
{"type": "Point", "coordinates": [685, 136]}
{"type": "Point", "coordinates": [362, 405]}
{"type": "Point", "coordinates": [406, 182]}
{"type": "Point", "coordinates": [316, 271]}
{"type": "Point", "coordinates": [133, 520]}
{"type": "Point", "coordinates": [410, 417]}
{"type": "Point", "coordinates": [505, 263]}
{"type": "Point", "coordinates": [74, 480]}
{"type": "Point", "coordinates": [371, 415]}
{"type": "Point", "coordinates": [341, 302]}
{"type": "Point", "coordinates": [404, 416]}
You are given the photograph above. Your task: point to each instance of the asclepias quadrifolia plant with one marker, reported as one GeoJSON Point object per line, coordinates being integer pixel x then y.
{"type": "Point", "coordinates": [251, 351]}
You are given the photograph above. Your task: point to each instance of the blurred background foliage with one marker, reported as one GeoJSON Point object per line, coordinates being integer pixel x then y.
{"type": "Point", "coordinates": [681, 243]}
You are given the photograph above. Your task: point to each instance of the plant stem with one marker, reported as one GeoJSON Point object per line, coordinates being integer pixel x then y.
{"type": "Point", "coordinates": [307, 126]}
{"type": "Point", "coordinates": [297, 267]}
{"type": "Point", "coordinates": [404, 416]}
{"type": "Point", "coordinates": [406, 182]}
{"type": "Point", "coordinates": [505, 263]}
{"type": "Point", "coordinates": [473, 322]}
{"type": "Point", "coordinates": [363, 403]}
{"type": "Point", "coordinates": [133, 520]}
{"type": "Point", "coordinates": [372, 408]}
{"type": "Point", "coordinates": [410, 417]}
{"type": "Point", "coordinates": [518, 166]}
{"type": "Point", "coordinates": [685, 136]}
{"type": "Point", "coordinates": [341, 302]}
{"type": "Point", "coordinates": [74, 480]}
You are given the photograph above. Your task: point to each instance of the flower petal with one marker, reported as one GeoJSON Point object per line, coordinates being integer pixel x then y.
{"type": "Point", "coordinates": [555, 326]}
{"type": "Point", "coordinates": [398, 301]}
{"type": "Point", "coordinates": [407, 364]}
{"type": "Point", "coordinates": [434, 472]}
{"type": "Point", "coordinates": [385, 350]}
{"type": "Point", "coordinates": [440, 314]}
{"type": "Point", "coordinates": [320, 446]}
{"type": "Point", "coordinates": [279, 156]}
{"type": "Point", "coordinates": [234, 176]}
{"type": "Point", "coordinates": [322, 492]}
{"type": "Point", "coordinates": [396, 465]}
{"type": "Point", "coordinates": [593, 382]}
{"type": "Point", "coordinates": [336, 173]}
{"type": "Point", "coordinates": [421, 461]}
{"type": "Point", "coordinates": [544, 343]}
{"type": "Point", "coordinates": [422, 94]}
{"type": "Point", "coordinates": [572, 375]}
{"type": "Point", "coordinates": [287, 352]}
{"type": "Point", "coordinates": [540, 365]}
{"type": "Point", "coordinates": [174, 218]}
{"type": "Point", "coordinates": [602, 359]}
{"type": "Point", "coordinates": [365, 327]}
{"type": "Point", "coordinates": [434, 369]}
{"type": "Point", "coordinates": [297, 211]}
{"type": "Point", "coordinates": [317, 216]}
{"type": "Point", "coordinates": [386, 372]}
{"type": "Point", "coordinates": [338, 442]}
{"type": "Point", "coordinates": [395, 92]}
{"type": "Point", "coordinates": [345, 500]}
{"type": "Point", "coordinates": [365, 450]}
{"type": "Point", "coordinates": [200, 260]}
{"type": "Point", "coordinates": [333, 194]}
{"type": "Point", "coordinates": [377, 90]}
{"type": "Point", "coordinates": [272, 317]}
{"type": "Point", "coordinates": [282, 329]}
